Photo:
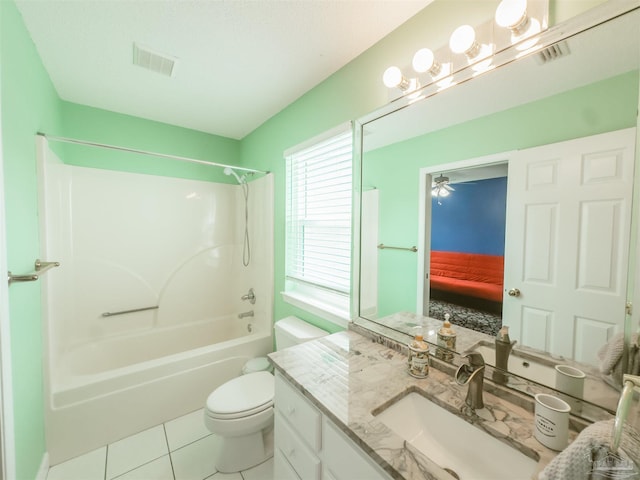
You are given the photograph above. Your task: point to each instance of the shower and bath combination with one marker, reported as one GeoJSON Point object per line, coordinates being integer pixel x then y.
{"type": "Point", "coordinates": [242, 181]}
{"type": "Point", "coordinates": [94, 363]}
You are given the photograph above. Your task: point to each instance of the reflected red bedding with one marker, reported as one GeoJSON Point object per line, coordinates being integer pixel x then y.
{"type": "Point", "coordinates": [471, 274]}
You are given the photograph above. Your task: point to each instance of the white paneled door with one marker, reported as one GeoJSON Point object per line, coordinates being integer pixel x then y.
{"type": "Point", "coordinates": [567, 243]}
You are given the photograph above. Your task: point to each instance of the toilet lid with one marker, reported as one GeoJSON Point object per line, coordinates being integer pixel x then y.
{"type": "Point", "coordinates": [245, 394]}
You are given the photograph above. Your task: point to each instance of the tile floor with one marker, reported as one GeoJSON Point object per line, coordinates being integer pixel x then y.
{"type": "Point", "coordinates": [176, 450]}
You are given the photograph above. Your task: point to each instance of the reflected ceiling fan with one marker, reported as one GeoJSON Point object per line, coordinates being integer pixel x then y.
{"type": "Point", "coordinates": [441, 188]}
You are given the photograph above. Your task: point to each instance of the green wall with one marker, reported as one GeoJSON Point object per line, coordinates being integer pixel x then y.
{"type": "Point", "coordinates": [29, 104]}
{"type": "Point", "coordinates": [354, 91]}
{"type": "Point", "coordinates": [601, 107]}
{"type": "Point", "coordinates": [350, 93]}
{"type": "Point", "coordinates": [112, 128]}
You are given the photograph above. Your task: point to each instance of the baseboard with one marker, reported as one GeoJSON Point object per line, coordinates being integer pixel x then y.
{"type": "Point", "coordinates": [43, 471]}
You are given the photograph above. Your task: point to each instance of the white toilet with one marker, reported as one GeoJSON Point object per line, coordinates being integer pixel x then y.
{"type": "Point", "coordinates": [240, 412]}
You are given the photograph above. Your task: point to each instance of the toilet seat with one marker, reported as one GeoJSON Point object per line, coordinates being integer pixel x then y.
{"type": "Point", "coordinates": [242, 396]}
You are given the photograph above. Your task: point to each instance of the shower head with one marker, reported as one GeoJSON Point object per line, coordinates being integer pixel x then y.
{"type": "Point", "coordinates": [229, 171]}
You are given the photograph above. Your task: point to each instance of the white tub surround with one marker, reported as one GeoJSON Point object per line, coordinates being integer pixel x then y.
{"type": "Point", "coordinates": [112, 405]}
{"type": "Point", "coordinates": [141, 320]}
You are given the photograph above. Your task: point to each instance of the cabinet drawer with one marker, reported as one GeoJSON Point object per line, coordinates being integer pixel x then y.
{"type": "Point", "coordinates": [342, 459]}
{"type": "Point", "coordinates": [299, 456]}
{"type": "Point", "coordinates": [281, 468]}
{"type": "Point", "coordinates": [305, 418]}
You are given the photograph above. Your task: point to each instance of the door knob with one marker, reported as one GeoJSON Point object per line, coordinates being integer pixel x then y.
{"type": "Point", "coordinates": [514, 292]}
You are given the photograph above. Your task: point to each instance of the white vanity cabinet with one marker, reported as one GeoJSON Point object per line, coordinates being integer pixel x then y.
{"type": "Point", "coordinates": [308, 445]}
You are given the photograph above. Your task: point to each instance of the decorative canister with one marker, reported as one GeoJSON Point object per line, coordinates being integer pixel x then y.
{"type": "Point", "coordinates": [446, 341]}
{"type": "Point", "coordinates": [418, 357]}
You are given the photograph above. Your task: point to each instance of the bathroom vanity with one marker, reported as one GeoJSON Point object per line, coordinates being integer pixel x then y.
{"type": "Point", "coordinates": [310, 445]}
{"type": "Point", "coordinates": [339, 405]}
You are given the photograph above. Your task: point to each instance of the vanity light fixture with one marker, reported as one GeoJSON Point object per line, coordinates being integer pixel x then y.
{"type": "Point", "coordinates": [512, 14]}
{"type": "Point", "coordinates": [470, 52]}
{"type": "Point", "coordinates": [393, 78]}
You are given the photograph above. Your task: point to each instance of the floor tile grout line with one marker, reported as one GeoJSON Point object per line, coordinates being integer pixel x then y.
{"type": "Point", "coordinates": [166, 439]}
{"type": "Point", "coordinates": [106, 460]}
{"type": "Point", "coordinates": [141, 465]}
{"type": "Point", "coordinates": [190, 443]}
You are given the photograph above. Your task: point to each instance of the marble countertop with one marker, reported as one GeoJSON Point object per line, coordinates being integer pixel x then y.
{"type": "Point", "coordinates": [349, 376]}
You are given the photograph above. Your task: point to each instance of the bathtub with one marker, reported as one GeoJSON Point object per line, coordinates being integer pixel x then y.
{"type": "Point", "coordinates": [109, 389]}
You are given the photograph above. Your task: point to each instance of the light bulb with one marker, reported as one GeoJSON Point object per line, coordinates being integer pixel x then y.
{"type": "Point", "coordinates": [512, 14]}
{"type": "Point", "coordinates": [533, 28]}
{"type": "Point", "coordinates": [425, 61]}
{"type": "Point", "coordinates": [392, 77]}
{"type": "Point", "coordinates": [444, 192]}
{"type": "Point", "coordinates": [463, 40]}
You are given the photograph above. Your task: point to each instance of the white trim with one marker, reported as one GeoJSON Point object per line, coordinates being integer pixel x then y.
{"type": "Point", "coordinates": [43, 471]}
{"type": "Point", "coordinates": [320, 309]}
{"type": "Point", "coordinates": [318, 138]}
{"type": "Point", "coordinates": [424, 179]}
{"type": "Point", "coordinates": [633, 275]}
{"type": "Point", "coordinates": [7, 427]}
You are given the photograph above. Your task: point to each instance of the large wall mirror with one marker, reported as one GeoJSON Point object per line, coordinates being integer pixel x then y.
{"type": "Point", "coordinates": [508, 200]}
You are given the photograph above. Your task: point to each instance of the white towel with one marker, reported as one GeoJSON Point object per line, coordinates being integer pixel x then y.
{"type": "Point", "coordinates": [610, 355]}
{"type": "Point", "coordinates": [588, 456]}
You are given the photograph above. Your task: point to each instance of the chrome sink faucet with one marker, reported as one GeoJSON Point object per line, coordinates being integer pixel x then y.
{"type": "Point", "coordinates": [245, 314]}
{"type": "Point", "coordinates": [472, 374]}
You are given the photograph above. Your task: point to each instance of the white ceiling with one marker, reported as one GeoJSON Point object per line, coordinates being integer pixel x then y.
{"type": "Point", "coordinates": [239, 61]}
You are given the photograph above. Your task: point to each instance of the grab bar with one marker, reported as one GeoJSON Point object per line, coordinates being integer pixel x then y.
{"type": "Point", "coordinates": [122, 312]}
{"type": "Point", "coordinates": [382, 246]}
{"type": "Point", "coordinates": [40, 267]}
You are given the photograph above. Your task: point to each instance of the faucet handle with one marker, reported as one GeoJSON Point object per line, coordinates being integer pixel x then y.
{"type": "Point", "coordinates": [475, 359]}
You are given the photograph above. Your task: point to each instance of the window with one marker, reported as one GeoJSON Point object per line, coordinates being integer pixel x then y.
{"type": "Point", "coordinates": [318, 226]}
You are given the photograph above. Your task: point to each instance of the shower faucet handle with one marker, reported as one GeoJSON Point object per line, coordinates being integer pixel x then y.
{"type": "Point", "coordinates": [251, 296]}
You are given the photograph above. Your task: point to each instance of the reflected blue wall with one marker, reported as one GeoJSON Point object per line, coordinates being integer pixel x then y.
{"type": "Point", "coordinates": [471, 219]}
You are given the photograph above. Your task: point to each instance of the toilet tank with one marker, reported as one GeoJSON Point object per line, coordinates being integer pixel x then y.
{"type": "Point", "coordinates": [292, 331]}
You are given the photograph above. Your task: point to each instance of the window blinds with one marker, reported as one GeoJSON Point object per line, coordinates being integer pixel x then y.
{"type": "Point", "coordinates": [318, 214]}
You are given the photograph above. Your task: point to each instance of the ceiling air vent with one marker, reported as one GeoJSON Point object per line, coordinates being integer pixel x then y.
{"type": "Point", "coordinates": [553, 52]}
{"type": "Point", "coordinates": [154, 61]}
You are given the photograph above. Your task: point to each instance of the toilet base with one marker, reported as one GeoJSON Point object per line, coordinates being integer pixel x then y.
{"type": "Point", "coordinates": [233, 454]}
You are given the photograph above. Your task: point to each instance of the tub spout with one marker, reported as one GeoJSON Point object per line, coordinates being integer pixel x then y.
{"type": "Point", "coordinates": [245, 314]}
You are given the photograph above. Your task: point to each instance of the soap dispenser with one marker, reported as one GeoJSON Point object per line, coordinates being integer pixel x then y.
{"type": "Point", "coordinates": [418, 357]}
{"type": "Point", "coordinates": [503, 349]}
{"type": "Point", "coordinates": [446, 340]}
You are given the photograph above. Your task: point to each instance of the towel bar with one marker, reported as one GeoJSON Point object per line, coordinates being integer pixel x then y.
{"type": "Point", "coordinates": [134, 310]}
{"type": "Point", "coordinates": [382, 246]}
{"type": "Point", "coordinates": [40, 267]}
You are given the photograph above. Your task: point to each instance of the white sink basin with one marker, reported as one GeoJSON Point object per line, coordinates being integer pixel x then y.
{"type": "Point", "coordinates": [454, 444]}
{"type": "Point", "coordinates": [521, 366]}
